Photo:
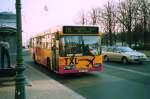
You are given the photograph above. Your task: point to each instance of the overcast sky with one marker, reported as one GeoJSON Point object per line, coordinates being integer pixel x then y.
{"type": "Point", "coordinates": [39, 15]}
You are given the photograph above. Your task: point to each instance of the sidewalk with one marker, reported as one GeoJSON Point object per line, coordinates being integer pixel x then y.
{"type": "Point", "coordinates": [39, 86]}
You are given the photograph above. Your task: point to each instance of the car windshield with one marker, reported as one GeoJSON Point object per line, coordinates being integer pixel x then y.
{"type": "Point", "coordinates": [79, 45]}
{"type": "Point", "coordinates": [125, 49]}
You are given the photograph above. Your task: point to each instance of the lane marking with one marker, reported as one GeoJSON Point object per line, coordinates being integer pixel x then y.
{"type": "Point", "coordinates": [129, 70]}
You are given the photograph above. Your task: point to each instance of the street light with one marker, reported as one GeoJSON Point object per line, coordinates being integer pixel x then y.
{"type": "Point", "coordinates": [20, 78]}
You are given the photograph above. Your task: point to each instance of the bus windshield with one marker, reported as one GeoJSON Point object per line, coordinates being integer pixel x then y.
{"type": "Point", "coordinates": [79, 45]}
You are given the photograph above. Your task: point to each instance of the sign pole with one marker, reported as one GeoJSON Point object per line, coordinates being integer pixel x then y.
{"type": "Point", "coordinates": [20, 78]}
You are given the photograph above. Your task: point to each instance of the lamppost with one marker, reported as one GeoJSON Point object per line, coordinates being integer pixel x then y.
{"type": "Point", "coordinates": [20, 78]}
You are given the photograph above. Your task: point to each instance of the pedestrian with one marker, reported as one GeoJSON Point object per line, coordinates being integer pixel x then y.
{"type": "Point", "coordinates": [4, 52]}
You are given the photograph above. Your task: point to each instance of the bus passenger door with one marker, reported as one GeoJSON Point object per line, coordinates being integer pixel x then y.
{"type": "Point", "coordinates": [55, 54]}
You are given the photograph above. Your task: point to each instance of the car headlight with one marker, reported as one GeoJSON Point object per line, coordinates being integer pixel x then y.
{"type": "Point", "coordinates": [134, 57]}
{"type": "Point", "coordinates": [143, 56]}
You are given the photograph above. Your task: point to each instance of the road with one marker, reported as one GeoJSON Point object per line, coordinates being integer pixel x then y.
{"type": "Point", "coordinates": [117, 81]}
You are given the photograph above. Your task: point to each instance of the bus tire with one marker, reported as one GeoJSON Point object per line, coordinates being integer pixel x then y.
{"type": "Point", "coordinates": [34, 58]}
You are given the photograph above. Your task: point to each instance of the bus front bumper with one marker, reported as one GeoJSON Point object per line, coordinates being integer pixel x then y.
{"type": "Point", "coordinates": [63, 71]}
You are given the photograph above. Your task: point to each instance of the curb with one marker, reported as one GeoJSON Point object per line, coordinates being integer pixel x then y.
{"type": "Point", "coordinates": [7, 72]}
{"type": "Point", "coordinates": [44, 86]}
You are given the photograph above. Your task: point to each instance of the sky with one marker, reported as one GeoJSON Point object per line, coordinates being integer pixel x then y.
{"type": "Point", "coordinates": [40, 15]}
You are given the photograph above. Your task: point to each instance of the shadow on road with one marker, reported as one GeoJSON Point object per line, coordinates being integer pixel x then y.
{"type": "Point", "coordinates": [59, 77]}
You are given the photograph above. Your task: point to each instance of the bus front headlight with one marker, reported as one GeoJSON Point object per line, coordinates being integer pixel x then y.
{"type": "Point", "coordinates": [69, 67]}
{"type": "Point", "coordinates": [96, 65]}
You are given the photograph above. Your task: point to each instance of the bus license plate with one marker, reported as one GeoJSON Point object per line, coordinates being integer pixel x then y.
{"type": "Point", "coordinates": [83, 70]}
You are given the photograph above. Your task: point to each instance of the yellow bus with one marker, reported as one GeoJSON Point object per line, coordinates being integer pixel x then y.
{"type": "Point", "coordinates": [68, 49]}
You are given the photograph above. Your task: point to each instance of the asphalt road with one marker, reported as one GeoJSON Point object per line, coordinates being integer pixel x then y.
{"type": "Point", "coordinates": [117, 81]}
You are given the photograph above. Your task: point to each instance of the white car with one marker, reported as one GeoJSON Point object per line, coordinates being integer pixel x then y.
{"type": "Point", "coordinates": [123, 54]}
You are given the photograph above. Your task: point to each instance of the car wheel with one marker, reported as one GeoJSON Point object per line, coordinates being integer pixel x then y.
{"type": "Point", "coordinates": [124, 60]}
{"type": "Point", "coordinates": [106, 59]}
{"type": "Point", "coordinates": [140, 62]}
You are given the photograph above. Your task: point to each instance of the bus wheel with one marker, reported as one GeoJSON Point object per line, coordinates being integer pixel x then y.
{"type": "Point", "coordinates": [49, 64]}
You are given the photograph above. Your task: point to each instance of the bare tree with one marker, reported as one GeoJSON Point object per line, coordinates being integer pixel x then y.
{"type": "Point", "coordinates": [127, 12]}
{"type": "Point", "coordinates": [131, 18]}
{"type": "Point", "coordinates": [109, 19]}
{"type": "Point", "coordinates": [89, 17]}
{"type": "Point", "coordinates": [94, 16]}
{"type": "Point", "coordinates": [144, 8]}
{"type": "Point", "coordinates": [82, 18]}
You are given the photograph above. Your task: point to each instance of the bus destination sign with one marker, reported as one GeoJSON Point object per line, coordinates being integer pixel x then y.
{"type": "Point", "coordinates": [80, 30]}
